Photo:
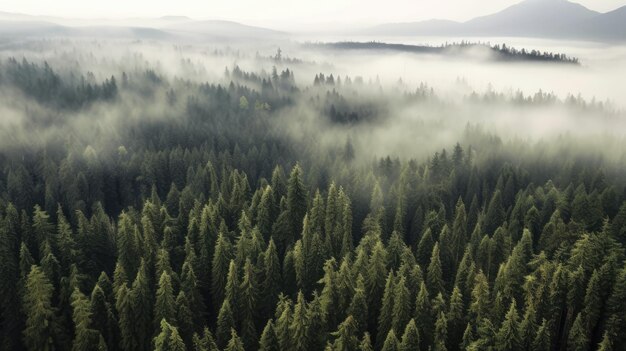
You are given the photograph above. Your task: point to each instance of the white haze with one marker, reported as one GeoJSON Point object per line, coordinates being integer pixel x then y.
{"type": "Point", "coordinates": [407, 130]}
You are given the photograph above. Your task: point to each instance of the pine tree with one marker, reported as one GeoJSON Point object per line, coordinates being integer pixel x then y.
{"type": "Point", "coordinates": [206, 342]}
{"type": "Point", "coordinates": [593, 301]}
{"type": "Point", "coordinates": [375, 278]}
{"type": "Point", "coordinates": [85, 337]}
{"type": "Point", "coordinates": [385, 316]}
{"type": "Point", "coordinates": [507, 338]}
{"type": "Point", "coordinates": [299, 324]}
{"type": "Point", "coordinates": [391, 342]}
{"type": "Point", "coordinates": [358, 307]}
{"type": "Point", "coordinates": [219, 268]}
{"type": "Point", "coordinates": [296, 200]}
{"type": "Point", "coordinates": [480, 304]}
{"type": "Point", "coordinates": [441, 332]}
{"type": "Point", "coordinates": [10, 314]}
{"type": "Point", "coordinates": [346, 339]}
{"type": "Point", "coordinates": [269, 339]}
{"type": "Point", "coordinates": [606, 344]}
{"type": "Point", "coordinates": [577, 339]}
{"type": "Point", "coordinates": [142, 308]}
{"type": "Point", "coordinates": [123, 305]}
{"type": "Point", "coordinates": [459, 231]}
{"type": "Point", "coordinates": [542, 341]}
{"type": "Point", "coordinates": [235, 343]}
{"type": "Point", "coordinates": [37, 306]}
{"type": "Point", "coordinates": [165, 306]}
{"type": "Point", "coordinates": [401, 306]}
{"type": "Point", "coordinates": [316, 328]}
{"type": "Point", "coordinates": [283, 322]}
{"type": "Point", "coordinates": [104, 320]}
{"type": "Point", "coordinates": [225, 322]}
{"type": "Point", "coordinates": [168, 339]}
{"type": "Point", "coordinates": [410, 338]}
{"type": "Point", "coordinates": [184, 317]}
{"type": "Point", "coordinates": [271, 285]}
{"type": "Point", "coordinates": [248, 306]}
{"type": "Point", "coordinates": [423, 317]}
{"type": "Point", "coordinates": [366, 343]}
{"type": "Point", "coordinates": [456, 317]}
{"type": "Point", "coordinates": [495, 214]}
{"type": "Point", "coordinates": [425, 248]}
{"type": "Point", "coordinates": [434, 276]}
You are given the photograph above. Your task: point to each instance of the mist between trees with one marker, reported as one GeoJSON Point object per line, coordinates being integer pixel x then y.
{"type": "Point", "coordinates": [218, 198]}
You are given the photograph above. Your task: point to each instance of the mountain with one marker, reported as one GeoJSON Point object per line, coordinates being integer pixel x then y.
{"type": "Point", "coordinates": [529, 18]}
{"type": "Point", "coordinates": [610, 25]}
{"type": "Point", "coordinates": [532, 18]}
{"type": "Point", "coordinates": [14, 25]}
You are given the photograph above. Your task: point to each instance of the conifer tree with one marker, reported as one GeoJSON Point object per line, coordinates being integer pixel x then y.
{"type": "Point", "coordinates": [204, 342]}
{"type": "Point", "coordinates": [410, 338]}
{"type": "Point", "coordinates": [165, 305]}
{"type": "Point", "coordinates": [248, 306]}
{"type": "Point", "coordinates": [542, 340]}
{"type": "Point", "coordinates": [507, 338]}
{"type": "Point", "coordinates": [299, 324]}
{"type": "Point", "coordinates": [271, 285]}
{"type": "Point", "coordinates": [346, 339]}
{"type": "Point", "coordinates": [423, 317]}
{"type": "Point", "coordinates": [225, 322]}
{"type": "Point", "coordinates": [142, 308]}
{"type": "Point", "coordinates": [495, 215]}
{"type": "Point", "coordinates": [296, 200]}
{"type": "Point", "coordinates": [366, 343]}
{"type": "Point", "coordinates": [168, 339]}
{"type": "Point", "coordinates": [219, 268]}
{"type": "Point", "coordinates": [316, 328]}
{"type": "Point", "coordinates": [391, 342]}
{"type": "Point", "coordinates": [434, 276]}
{"type": "Point", "coordinates": [577, 339]}
{"type": "Point", "coordinates": [385, 316]}
{"type": "Point", "coordinates": [124, 307]}
{"type": "Point", "coordinates": [85, 337]}
{"type": "Point", "coordinates": [269, 339]}
{"type": "Point", "coordinates": [184, 317]}
{"type": "Point", "coordinates": [235, 343]}
{"type": "Point", "coordinates": [358, 306]}
{"type": "Point", "coordinates": [441, 332]}
{"type": "Point", "coordinates": [401, 312]}
{"type": "Point", "coordinates": [37, 305]}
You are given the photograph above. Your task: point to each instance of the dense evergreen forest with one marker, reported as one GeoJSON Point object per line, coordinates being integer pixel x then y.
{"type": "Point", "coordinates": [200, 221]}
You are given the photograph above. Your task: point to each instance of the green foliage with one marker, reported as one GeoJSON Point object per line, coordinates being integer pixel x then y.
{"type": "Point", "coordinates": [40, 315]}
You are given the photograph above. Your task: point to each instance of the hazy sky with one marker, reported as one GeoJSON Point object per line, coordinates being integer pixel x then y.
{"type": "Point", "coordinates": [279, 11]}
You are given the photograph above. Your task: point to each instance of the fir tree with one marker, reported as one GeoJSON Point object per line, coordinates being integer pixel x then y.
{"type": "Point", "coordinates": [37, 304]}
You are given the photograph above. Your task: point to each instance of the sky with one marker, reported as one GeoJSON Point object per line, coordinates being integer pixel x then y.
{"type": "Point", "coordinates": [279, 12]}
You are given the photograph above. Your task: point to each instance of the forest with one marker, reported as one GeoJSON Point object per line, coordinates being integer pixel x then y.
{"type": "Point", "coordinates": [463, 49]}
{"type": "Point", "coordinates": [151, 205]}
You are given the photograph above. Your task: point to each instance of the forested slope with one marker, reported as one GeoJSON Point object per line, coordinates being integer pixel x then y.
{"type": "Point", "coordinates": [207, 226]}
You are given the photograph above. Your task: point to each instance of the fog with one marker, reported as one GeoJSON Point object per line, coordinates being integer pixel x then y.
{"type": "Point", "coordinates": [414, 104]}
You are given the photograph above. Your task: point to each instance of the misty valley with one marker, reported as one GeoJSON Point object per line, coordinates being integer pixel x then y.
{"type": "Point", "coordinates": [209, 186]}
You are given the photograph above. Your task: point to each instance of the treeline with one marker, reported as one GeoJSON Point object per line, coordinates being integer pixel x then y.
{"type": "Point", "coordinates": [501, 52]}
{"type": "Point", "coordinates": [46, 86]}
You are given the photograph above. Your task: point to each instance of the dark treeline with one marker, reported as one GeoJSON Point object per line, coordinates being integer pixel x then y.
{"type": "Point", "coordinates": [211, 230]}
{"type": "Point", "coordinates": [500, 52]}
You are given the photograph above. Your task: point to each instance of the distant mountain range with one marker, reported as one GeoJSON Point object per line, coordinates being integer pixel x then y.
{"type": "Point", "coordinates": [560, 19]}
{"type": "Point", "coordinates": [163, 28]}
